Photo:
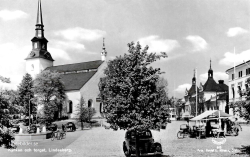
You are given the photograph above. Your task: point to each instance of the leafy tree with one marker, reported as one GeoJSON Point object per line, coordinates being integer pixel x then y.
{"type": "Point", "coordinates": [26, 93]}
{"type": "Point", "coordinates": [130, 93]}
{"type": "Point", "coordinates": [243, 107]}
{"type": "Point", "coordinates": [4, 79]}
{"type": "Point", "coordinates": [50, 92]}
{"type": "Point", "coordinates": [6, 136]}
{"type": "Point", "coordinates": [84, 113]}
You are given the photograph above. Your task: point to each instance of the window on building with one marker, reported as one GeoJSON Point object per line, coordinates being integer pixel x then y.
{"type": "Point", "coordinates": [240, 73]}
{"type": "Point", "coordinates": [32, 67]}
{"type": "Point", "coordinates": [90, 102]}
{"type": "Point", "coordinates": [247, 71]}
{"type": "Point", "coordinates": [246, 85]}
{"type": "Point", "coordinates": [233, 91]}
{"type": "Point", "coordinates": [232, 76]}
{"type": "Point", "coordinates": [101, 108]}
{"type": "Point", "coordinates": [70, 106]}
{"type": "Point", "coordinates": [239, 91]}
{"type": "Point", "coordinates": [35, 45]}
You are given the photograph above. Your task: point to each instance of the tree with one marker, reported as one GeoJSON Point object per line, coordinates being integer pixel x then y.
{"type": "Point", "coordinates": [84, 113]}
{"type": "Point", "coordinates": [4, 79]}
{"type": "Point", "coordinates": [26, 93]}
{"type": "Point", "coordinates": [6, 136]}
{"type": "Point", "coordinates": [49, 91]}
{"type": "Point", "coordinates": [132, 100]}
{"type": "Point", "coordinates": [243, 107]}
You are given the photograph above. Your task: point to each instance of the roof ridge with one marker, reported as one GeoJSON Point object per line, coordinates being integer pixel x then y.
{"type": "Point", "coordinates": [76, 63]}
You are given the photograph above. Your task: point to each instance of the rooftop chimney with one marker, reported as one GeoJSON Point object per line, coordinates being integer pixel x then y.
{"type": "Point", "coordinates": [221, 81]}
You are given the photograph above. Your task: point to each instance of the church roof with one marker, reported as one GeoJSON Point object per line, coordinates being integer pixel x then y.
{"type": "Point", "coordinates": [192, 90]}
{"type": "Point", "coordinates": [76, 67]}
{"type": "Point", "coordinates": [212, 86]}
{"type": "Point", "coordinates": [75, 81]}
{"type": "Point", "coordinates": [75, 76]}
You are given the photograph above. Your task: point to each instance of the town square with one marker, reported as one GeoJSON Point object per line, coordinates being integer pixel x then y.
{"type": "Point", "coordinates": [137, 78]}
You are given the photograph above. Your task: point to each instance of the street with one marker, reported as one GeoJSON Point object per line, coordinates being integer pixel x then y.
{"type": "Point", "coordinates": [101, 142]}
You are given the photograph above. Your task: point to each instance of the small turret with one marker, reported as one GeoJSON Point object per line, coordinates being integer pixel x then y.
{"type": "Point", "coordinates": [210, 71]}
{"type": "Point", "coordinates": [104, 52]}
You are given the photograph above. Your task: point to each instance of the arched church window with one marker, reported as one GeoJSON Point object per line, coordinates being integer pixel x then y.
{"type": "Point", "coordinates": [35, 45]}
{"type": "Point", "coordinates": [70, 106]}
{"type": "Point", "coordinates": [101, 108]}
{"type": "Point", "coordinates": [90, 102]}
{"type": "Point", "coordinates": [32, 67]}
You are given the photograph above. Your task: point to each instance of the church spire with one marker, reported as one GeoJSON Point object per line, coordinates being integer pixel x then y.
{"type": "Point", "coordinates": [39, 21]}
{"type": "Point", "coordinates": [39, 42]}
{"type": "Point", "coordinates": [210, 71]}
{"type": "Point", "coordinates": [194, 79]}
{"type": "Point", "coordinates": [210, 63]}
{"type": "Point", "coordinates": [104, 52]}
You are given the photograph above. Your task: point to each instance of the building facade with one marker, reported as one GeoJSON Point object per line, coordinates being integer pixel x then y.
{"type": "Point", "coordinates": [237, 84]}
{"type": "Point", "coordinates": [211, 96]}
{"type": "Point", "coordinates": [80, 79]}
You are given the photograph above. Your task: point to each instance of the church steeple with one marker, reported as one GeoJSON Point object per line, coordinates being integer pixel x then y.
{"type": "Point", "coordinates": [210, 71]}
{"type": "Point", "coordinates": [39, 58]}
{"type": "Point", "coordinates": [194, 79]}
{"type": "Point", "coordinates": [39, 42]}
{"type": "Point", "coordinates": [39, 21]}
{"type": "Point", "coordinates": [104, 52]}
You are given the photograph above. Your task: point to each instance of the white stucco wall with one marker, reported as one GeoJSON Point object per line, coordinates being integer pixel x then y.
{"type": "Point", "coordinates": [36, 65]}
{"type": "Point", "coordinates": [90, 90]}
{"type": "Point", "coordinates": [238, 80]}
{"type": "Point", "coordinates": [74, 96]}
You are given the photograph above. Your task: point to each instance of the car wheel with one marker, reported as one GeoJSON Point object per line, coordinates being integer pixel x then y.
{"type": "Point", "coordinates": [180, 134]}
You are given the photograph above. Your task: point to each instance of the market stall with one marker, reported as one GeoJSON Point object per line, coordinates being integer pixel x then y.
{"type": "Point", "coordinates": [207, 117]}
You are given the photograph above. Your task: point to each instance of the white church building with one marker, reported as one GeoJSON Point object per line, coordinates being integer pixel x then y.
{"type": "Point", "coordinates": [80, 79]}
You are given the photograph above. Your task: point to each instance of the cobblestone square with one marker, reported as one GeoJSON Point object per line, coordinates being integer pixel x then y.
{"type": "Point", "coordinates": [101, 142]}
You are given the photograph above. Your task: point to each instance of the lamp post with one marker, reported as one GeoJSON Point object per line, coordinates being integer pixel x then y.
{"type": "Point", "coordinates": [216, 100]}
{"type": "Point", "coordinates": [29, 111]}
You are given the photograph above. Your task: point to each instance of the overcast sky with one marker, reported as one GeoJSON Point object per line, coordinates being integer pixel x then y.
{"type": "Point", "coordinates": [190, 31]}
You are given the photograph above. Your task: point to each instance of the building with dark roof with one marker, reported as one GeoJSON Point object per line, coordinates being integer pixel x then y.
{"type": "Point", "coordinates": [211, 96]}
{"type": "Point", "coordinates": [80, 79]}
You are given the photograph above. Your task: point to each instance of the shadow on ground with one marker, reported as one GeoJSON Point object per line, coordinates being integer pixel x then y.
{"type": "Point", "coordinates": [244, 150]}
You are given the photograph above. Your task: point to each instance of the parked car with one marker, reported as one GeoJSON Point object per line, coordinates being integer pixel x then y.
{"type": "Point", "coordinates": [70, 126]}
{"type": "Point", "coordinates": [52, 127]}
{"type": "Point", "coordinates": [15, 128]}
{"type": "Point", "coordinates": [147, 146]}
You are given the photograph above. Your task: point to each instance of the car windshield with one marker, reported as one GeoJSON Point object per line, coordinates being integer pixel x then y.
{"type": "Point", "coordinates": [146, 134]}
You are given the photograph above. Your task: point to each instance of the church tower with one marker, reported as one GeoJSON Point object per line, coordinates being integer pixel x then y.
{"type": "Point", "coordinates": [194, 79]}
{"type": "Point", "coordinates": [39, 58]}
{"type": "Point", "coordinates": [210, 71]}
{"type": "Point", "coordinates": [104, 52]}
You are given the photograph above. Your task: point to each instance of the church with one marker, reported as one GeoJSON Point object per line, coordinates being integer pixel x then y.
{"type": "Point", "coordinates": [211, 96]}
{"type": "Point", "coordinates": [80, 79]}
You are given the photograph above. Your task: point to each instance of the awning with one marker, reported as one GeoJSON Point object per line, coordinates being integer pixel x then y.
{"type": "Point", "coordinates": [211, 113]}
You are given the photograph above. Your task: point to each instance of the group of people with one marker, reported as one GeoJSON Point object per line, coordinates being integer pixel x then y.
{"type": "Point", "coordinates": [226, 125]}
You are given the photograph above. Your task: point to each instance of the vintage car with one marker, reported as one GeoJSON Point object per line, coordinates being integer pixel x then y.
{"type": "Point", "coordinates": [147, 146]}
{"type": "Point", "coordinates": [15, 128]}
{"type": "Point", "coordinates": [52, 127]}
{"type": "Point", "coordinates": [70, 126]}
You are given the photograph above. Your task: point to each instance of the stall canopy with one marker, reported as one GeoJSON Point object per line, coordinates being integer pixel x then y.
{"type": "Point", "coordinates": [211, 114]}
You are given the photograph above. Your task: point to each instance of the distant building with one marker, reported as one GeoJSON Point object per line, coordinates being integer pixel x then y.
{"type": "Point", "coordinates": [237, 84]}
{"type": "Point", "coordinates": [80, 79]}
{"type": "Point", "coordinates": [211, 96]}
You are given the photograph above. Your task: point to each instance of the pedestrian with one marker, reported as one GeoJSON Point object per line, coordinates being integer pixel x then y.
{"type": "Point", "coordinates": [63, 127]}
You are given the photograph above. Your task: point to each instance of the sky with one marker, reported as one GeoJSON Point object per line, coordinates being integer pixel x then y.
{"type": "Point", "coordinates": [191, 32]}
